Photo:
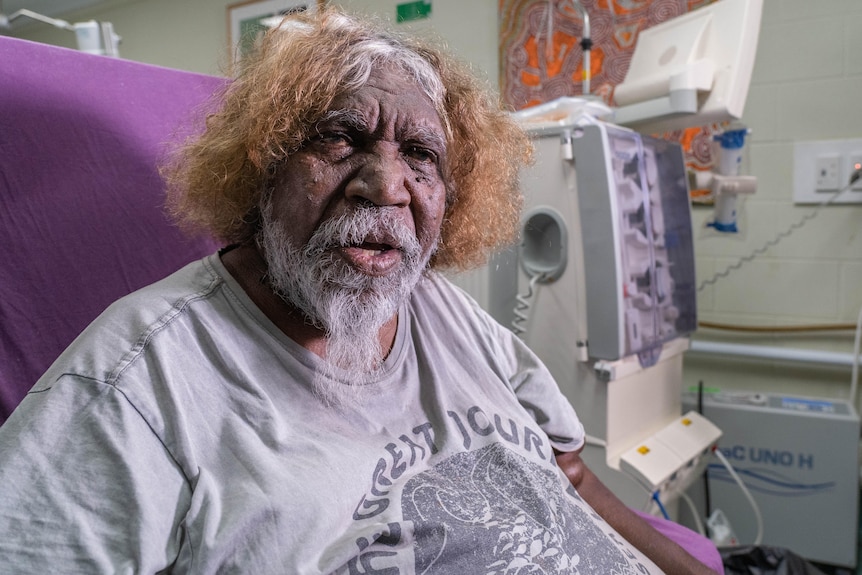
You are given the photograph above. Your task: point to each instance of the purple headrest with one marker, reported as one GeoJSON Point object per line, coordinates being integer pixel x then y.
{"type": "Point", "coordinates": [81, 202]}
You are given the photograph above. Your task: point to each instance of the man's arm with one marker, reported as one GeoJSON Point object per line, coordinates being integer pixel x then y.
{"type": "Point", "coordinates": [669, 556]}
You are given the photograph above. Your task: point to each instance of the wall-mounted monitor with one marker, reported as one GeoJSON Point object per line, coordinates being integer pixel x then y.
{"type": "Point", "coordinates": [691, 70]}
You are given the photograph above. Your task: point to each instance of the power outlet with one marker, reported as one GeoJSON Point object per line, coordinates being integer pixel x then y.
{"type": "Point", "coordinates": [824, 167]}
{"type": "Point", "coordinates": [856, 164]}
{"type": "Point", "coordinates": [828, 173]}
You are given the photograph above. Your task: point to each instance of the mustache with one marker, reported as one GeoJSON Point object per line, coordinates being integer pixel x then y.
{"type": "Point", "coordinates": [370, 225]}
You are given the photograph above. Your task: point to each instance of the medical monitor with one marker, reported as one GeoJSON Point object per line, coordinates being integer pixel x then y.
{"type": "Point", "coordinates": [692, 70]}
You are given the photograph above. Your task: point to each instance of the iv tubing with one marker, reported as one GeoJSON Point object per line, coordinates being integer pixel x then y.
{"type": "Point", "coordinates": [594, 441]}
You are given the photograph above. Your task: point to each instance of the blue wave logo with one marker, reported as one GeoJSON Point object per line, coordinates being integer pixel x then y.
{"type": "Point", "coordinates": [770, 482]}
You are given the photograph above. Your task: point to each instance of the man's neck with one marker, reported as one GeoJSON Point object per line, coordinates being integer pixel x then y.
{"type": "Point", "coordinates": [247, 266]}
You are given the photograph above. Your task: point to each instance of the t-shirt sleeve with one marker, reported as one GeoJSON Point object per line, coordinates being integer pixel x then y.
{"type": "Point", "coordinates": [539, 394]}
{"type": "Point", "coordinates": [86, 486]}
{"type": "Point", "coordinates": [529, 379]}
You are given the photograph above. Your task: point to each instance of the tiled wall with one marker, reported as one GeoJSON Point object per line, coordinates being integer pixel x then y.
{"type": "Point", "coordinates": [807, 85]}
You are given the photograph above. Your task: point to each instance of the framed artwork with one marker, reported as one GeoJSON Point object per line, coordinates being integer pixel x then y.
{"type": "Point", "coordinates": [248, 19]}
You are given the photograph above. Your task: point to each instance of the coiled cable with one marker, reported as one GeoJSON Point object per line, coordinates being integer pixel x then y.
{"type": "Point", "coordinates": [780, 236]}
{"type": "Point", "coordinates": [522, 305]}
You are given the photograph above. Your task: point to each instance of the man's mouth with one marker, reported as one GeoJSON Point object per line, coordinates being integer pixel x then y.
{"type": "Point", "coordinates": [371, 258]}
{"type": "Point", "coordinates": [372, 249]}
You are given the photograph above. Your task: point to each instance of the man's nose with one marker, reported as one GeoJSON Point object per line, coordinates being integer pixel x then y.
{"type": "Point", "coordinates": [381, 179]}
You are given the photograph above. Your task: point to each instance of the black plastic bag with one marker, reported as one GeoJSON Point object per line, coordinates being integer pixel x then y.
{"type": "Point", "coordinates": [763, 560]}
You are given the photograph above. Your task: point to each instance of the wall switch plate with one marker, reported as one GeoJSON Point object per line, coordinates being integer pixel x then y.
{"type": "Point", "coordinates": [821, 168]}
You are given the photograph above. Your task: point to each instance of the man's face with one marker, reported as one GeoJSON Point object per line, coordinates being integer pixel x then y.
{"type": "Point", "coordinates": [354, 217]}
{"type": "Point", "coordinates": [382, 145]}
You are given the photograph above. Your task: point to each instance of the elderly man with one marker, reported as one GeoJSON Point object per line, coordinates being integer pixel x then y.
{"type": "Point", "coordinates": [316, 398]}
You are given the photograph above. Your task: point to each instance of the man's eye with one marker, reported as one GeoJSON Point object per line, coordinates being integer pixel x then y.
{"type": "Point", "coordinates": [334, 138]}
{"type": "Point", "coordinates": [421, 154]}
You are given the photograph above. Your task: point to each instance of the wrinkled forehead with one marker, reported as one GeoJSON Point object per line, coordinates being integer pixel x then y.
{"type": "Point", "coordinates": [385, 95]}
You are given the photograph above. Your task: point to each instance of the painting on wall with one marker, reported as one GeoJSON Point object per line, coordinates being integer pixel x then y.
{"type": "Point", "coordinates": [541, 57]}
{"type": "Point", "coordinates": [247, 20]}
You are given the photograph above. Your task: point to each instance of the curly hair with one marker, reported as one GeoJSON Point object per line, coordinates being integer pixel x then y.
{"type": "Point", "coordinates": [285, 86]}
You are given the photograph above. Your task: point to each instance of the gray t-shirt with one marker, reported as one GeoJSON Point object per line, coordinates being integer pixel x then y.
{"type": "Point", "coordinates": [180, 433]}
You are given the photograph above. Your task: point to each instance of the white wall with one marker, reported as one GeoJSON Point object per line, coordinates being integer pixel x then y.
{"type": "Point", "coordinates": [187, 34]}
{"type": "Point", "coordinates": [192, 34]}
{"type": "Point", "coordinates": [806, 86]}
{"type": "Point", "coordinates": [467, 28]}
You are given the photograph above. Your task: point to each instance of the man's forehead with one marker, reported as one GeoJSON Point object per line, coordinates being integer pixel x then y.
{"type": "Point", "coordinates": [390, 83]}
{"type": "Point", "coordinates": [361, 118]}
{"type": "Point", "coordinates": [367, 111]}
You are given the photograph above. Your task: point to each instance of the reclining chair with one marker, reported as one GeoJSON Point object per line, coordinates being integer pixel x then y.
{"type": "Point", "coordinates": [82, 221]}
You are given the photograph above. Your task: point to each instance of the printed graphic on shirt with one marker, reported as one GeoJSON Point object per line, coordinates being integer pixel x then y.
{"type": "Point", "coordinates": [414, 449]}
{"type": "Point", "coordinates": [491, 511]}
{"type": "Point", "coordinates": [498, 509]}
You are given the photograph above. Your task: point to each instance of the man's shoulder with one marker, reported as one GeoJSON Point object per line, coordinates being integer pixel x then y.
{"type": "Point", "coordinates": [435, 286]}
{"type": "Point", "coordinates": [163, 300]}
{"type": "Point", "coordinates": [128, 325]}
{"type": "Point", "coordinates": [447, 306]}
{"type": "Point", "coordinates": [195, 281]}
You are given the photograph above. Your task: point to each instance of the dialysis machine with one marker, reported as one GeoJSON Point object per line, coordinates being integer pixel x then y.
{"type": "Point", "coordinates": [602, 287]}
{"type": "Point", "coordinates": [606, 250]}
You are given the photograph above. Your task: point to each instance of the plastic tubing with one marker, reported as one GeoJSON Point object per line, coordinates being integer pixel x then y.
{"type": "Point", "coordinates": [746, 492]}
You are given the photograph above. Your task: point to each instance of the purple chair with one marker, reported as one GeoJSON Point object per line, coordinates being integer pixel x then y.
{"type": "Point", "coordinates": [82, 221]}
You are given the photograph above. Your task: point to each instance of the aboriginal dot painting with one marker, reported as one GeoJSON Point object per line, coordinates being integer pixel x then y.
{"type": "Point", "coordinates": [541, 56]}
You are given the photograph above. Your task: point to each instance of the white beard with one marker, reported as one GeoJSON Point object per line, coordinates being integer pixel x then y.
{"type": "Point", "coordinates": [349, 306]}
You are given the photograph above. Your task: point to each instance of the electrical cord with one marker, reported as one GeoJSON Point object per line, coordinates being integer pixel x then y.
{"type": "Point", "coordinates": [782, 235]}
{"type": "Point", "coordinates": [653, 497]}
{"type": "Point", "coordinates": [650, 499]}
{"type": "Point", "coordinates": [746, 492]}
{"type": "Point", "coordinates": [657, 499]}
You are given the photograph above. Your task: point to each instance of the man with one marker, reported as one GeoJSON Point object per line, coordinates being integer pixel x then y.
{"type": "Point", "coordinates": [316, 398]}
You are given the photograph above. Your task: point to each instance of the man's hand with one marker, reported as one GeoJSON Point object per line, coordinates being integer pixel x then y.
{"type": "Point", "coordinates": [669, 556]}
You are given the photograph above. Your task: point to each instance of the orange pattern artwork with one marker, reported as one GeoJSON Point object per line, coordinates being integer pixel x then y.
{"type": "Point", "coordinates": [541, 57]}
